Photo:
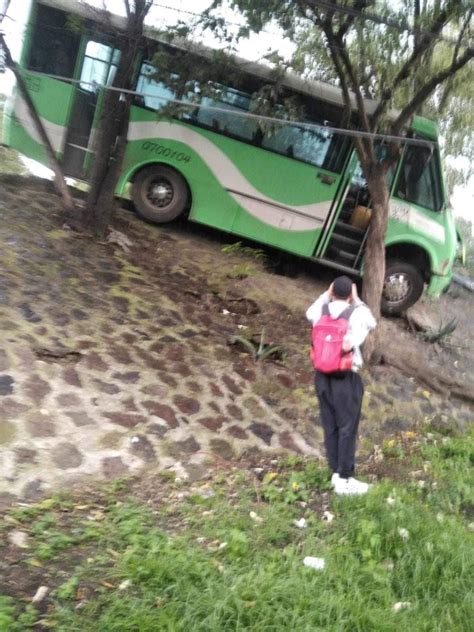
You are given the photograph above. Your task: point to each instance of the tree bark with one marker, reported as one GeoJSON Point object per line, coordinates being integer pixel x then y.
{"type": "Point", "coordinates": [374, 258]}
{"type": "Point", "coordinates": [102, 196]}
{"type": "Point", "coordinates": [446, 383]}
{"type": "Point", "coordinates": [59, 181]}
{"type": "Point", "coordinates": [111, 135]}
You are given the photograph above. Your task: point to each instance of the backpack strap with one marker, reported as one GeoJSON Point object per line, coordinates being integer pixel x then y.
{"type": "Point", "coordinates": [347, 313]}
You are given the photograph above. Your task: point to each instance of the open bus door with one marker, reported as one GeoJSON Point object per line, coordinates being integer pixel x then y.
{"type": "Point", "coordinates": [99, 65]}
{"type": "Point", "coordinates": [343, 240]}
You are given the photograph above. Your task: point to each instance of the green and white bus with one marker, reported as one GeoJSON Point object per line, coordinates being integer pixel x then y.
{"type": "Point", "coordinates": [291, 186]}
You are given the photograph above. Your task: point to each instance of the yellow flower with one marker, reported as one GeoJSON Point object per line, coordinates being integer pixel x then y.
{"type": "Point", "coordinates": [269, 476]}
{"type": "Point", "coordinates": [295, 486]}
{"type": "Point", "coordinates": [409, 434]}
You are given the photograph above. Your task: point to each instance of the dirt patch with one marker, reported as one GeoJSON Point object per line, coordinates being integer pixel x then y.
{"type": "Point", "coordinates": [118, 361]}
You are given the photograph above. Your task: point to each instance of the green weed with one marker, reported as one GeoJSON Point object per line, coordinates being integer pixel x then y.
{"type": "Point", "coordinates": [234, 560]}
{"type": "Point", "coordinates": [259, 350]}
{"type": "Point", "coordinates": [8, 619]}
{"type": "Point", "coordinates": [241, 271]}
{"type": "Point", "coordinates": [246, 251]}
{"type": "Point", "coordinates": [443, 331]}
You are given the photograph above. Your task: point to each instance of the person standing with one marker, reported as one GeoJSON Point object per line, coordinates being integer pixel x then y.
{"type": "Point", "coordinates": [340, 393]}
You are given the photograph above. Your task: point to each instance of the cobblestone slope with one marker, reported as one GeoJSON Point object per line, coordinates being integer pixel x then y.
{"type": "Point", "coordinates": [113, 360]}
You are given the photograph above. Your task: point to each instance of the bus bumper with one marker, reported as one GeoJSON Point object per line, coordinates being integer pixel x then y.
{"type": "Point", "coordinates": [439, 283]}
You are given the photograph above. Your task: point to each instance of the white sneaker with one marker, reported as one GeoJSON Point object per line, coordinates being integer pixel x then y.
{"type": "Point", "coordinates": [350, 487]}
{"type": "Point", "coordinates": [334, 479]}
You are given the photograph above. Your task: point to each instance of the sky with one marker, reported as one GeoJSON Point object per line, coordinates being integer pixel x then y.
{"type": "Point", "coordinates": [166, 13]}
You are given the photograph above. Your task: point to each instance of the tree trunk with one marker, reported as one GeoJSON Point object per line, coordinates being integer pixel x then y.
{"type": "Point", "coordinates": [109, 147]}
{"type": "Point", "coordinates": [374, 258]}
{"type": "Point", "coordinates": [113, 123]}
{"type": "Point", "coordinates": [59, 181]}
{"type": "Point", "coordinates": [102, 195]}
{"type": "Point", "coordinates": [111, 135]}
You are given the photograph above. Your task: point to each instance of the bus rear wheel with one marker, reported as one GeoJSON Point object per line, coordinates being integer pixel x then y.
{"type": "Point", "coordinates": [160, 194]}
{"type": "Point", "coordinates": [403, 286]}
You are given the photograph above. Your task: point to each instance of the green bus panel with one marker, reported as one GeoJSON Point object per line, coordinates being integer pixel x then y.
{"type": "Point", "coordinates": [217, 207]}
{"type": "Point", "coordinates": [283, 179]}
{"type": "Point", "coordinates": [234, 186]}
{"type": "Point", "coordinates": [298, 242]}
{"type": "Point", "coordinates": [46, 94]}
{"type": "Point", "coordinates": [20, 140]}
{"type": "Point", "coordinates": [432, 231]}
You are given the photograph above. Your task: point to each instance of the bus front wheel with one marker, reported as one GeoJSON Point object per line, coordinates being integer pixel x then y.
{"type": "Point", "coordinates": [403, 286]}
{"type": "Point", "coordinates": [160, 194]}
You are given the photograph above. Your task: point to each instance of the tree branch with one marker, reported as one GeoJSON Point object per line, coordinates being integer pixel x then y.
{"type": "Point", "coordinates": [3, 14]}
{"type": "Point", "coordinates": [358, 6]}
{"type": "Point", "coordinates": [461, 34]}
{"type": "Point", "coordinates": [355, 83]}
{"type": "Point", "coordinates": [428, 88]}
{"type": "Point", "coordinates": [343, 68]}
{"type": "Point", "coordinates": [449, 83]}
{"type": "Point", "coordinates": [363, 148]}
{"type": "Point", "coordinates": [59, 181]}
{"type": "Point", "coordinates": [423, 44]}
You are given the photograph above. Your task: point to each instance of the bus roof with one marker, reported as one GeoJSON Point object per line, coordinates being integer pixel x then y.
{"type": "Point", "coordinates": [312, 88]}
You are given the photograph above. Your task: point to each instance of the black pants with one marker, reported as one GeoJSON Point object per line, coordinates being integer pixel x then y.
{"type": "Point", "coordinates": [340, 402]}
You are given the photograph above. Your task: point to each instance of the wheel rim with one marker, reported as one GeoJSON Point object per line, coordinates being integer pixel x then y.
{"type": "Point", "coordinates": [160, 192]}
{"type": "Point", "coordinates": [397, 287]}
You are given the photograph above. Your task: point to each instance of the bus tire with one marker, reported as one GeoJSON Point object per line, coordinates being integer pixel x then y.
{"type": "Point", "coordinates": [160, 194]}
{"type": "Point", "coordinates": [403, 286]}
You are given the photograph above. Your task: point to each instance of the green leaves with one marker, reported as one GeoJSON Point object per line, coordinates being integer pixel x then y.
{"type": "Point", "coordinates": [442, 332]}
{"type": "Point", "coordinates": [259, 350]}
{"type": "Point", "coordinates": [214, 566]}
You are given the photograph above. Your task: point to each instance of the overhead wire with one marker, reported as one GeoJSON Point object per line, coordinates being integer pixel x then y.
{"type": "Point", "coordinates": [199, 15]}
{"type": "Point", "coordinates": [249, 115]}
{"type": "Point", "coordinates": [324, 4]}
{"type": "Point", "coordinates": [372, 17]}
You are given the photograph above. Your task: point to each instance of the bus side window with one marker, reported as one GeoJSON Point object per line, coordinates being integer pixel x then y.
{"type": "Point", "coordinates": [154, 94]}
{"type": "Point", "coordinates": [303, 144]}
{"type": "Point", "coordinates": [54, 46]}
{"type": "Point", "coordinates": [232, 100]}
{"type": "Point", "coordinates": [419, 179]}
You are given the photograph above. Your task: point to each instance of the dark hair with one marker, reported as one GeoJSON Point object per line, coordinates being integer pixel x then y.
{"type": "Point", "coordinates": [342, 287]}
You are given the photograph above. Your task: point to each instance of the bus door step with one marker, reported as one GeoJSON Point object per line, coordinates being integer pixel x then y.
{"type": "Point", "coordinates": [338, 266]}
{"type": "Point", "coordinates": [348, 244]}
{"type": "Point", "coordinates": [342, 228]}
{"type": "Point", "coordinates": [341, 256]}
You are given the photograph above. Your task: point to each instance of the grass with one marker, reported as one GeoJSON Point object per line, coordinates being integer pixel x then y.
{"type": "Point", "coordinates": [226, 555]}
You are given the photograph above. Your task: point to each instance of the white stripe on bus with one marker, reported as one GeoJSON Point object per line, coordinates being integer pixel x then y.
{"type": "Point", "coordinates": [225, 170]}
{"type": "Point", "coordinates": [405, 214]}
{"type": "Point", "coordinates": [266, 209]}
{"type": "Point", "coordinates": [54, 132]}
{"type": "Point", "coordinates": [276, 216]}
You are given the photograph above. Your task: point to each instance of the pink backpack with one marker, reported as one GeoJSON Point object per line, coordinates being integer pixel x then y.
{"type": "Point", "coordinates": [327, 337]}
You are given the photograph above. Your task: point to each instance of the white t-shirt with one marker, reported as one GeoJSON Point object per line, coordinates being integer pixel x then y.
{"type": "Point", "coordinates": [361, 321]}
